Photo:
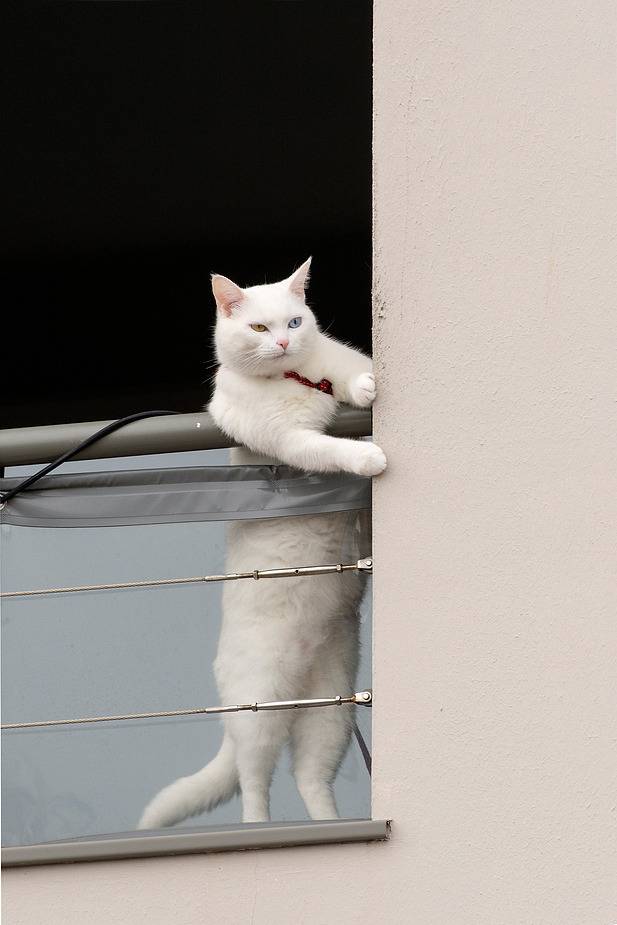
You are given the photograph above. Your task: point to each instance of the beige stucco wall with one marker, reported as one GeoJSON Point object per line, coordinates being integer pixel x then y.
{"type": "Point", "coordinates": [496, 290]}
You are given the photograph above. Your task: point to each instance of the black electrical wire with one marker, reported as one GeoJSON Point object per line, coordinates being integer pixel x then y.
{"type": "Point", "coordinates": [103, 432]}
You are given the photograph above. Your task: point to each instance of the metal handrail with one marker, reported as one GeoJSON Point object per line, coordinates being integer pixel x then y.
{"type": "Point", "coordinates": [175, 433]}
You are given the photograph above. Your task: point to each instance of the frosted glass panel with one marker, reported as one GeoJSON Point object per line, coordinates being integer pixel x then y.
{"type": "Point", "coordinates": [125, 651]}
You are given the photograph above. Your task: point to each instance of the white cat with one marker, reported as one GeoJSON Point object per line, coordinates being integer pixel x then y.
{"type": "Point", "coordinates": [263, 333]}
{"type": "Point", "coordinates": [282, 639]}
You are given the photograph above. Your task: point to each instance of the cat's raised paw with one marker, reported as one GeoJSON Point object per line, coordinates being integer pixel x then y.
{"type": "Point", "coordinates": [363, 390]}
{"type": "Point", "coordinates": [371, 460]}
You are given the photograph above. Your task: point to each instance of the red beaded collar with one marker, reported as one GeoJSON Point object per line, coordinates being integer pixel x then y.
{"type": "Point", "coordinates": [323, 386]}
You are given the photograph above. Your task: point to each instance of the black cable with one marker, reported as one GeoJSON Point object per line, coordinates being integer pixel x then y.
{"type": "Point", "coordinates": [108, 429]}
{"type": "Point", "coordinates": [363, 748]}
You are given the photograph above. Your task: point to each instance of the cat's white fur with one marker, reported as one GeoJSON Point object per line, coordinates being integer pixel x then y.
{"type": "Point", "coordinates": [282, 639]}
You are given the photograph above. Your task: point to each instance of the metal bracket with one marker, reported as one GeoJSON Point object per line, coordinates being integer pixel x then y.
{"type": "Point", "coordinates": [365, 565]}
{"type": "Point", "coordinates": [364, 698]}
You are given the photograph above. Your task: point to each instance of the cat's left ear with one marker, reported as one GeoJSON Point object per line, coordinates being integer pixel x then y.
{"type": "Point", "coordinates": [298, 281]}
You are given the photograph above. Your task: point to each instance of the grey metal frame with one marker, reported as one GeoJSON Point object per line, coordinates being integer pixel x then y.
{"type": "Point", "coordinates": [198, 841]}
{"type": "Point", "coordinates": [176, 433]}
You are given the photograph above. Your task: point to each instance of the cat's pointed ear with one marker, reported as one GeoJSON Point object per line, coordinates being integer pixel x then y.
{"type": "Point", "coordinates": [298, 281]}
{"type": "Point", "coordinates": [226, 293]}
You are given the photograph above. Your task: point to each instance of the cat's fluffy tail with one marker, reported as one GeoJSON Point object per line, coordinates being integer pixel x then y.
{"type": "Point", "coordinates": [189, 796]}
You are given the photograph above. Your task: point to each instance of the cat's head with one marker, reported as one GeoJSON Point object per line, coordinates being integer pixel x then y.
{"type": "Point", "coordinates": [264, 330]}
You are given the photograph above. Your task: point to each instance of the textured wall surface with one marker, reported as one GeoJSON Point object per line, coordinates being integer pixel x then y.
{"type": "Point", "coordinates": [496, 336]}
{"type": "Point", "coordinates": [495, 263]}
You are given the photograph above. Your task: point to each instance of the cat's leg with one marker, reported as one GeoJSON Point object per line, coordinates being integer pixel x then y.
{"type": "Point", "coordinates": [350, 372]}
{"type": "Point", "coordinates": [259, 740]}
{"type": "Point", "coordinates": [308, 449]}
{"type": "Point", "coordinates": [320, 739]}
{"type": "Point", "coordinates": [320, 736]}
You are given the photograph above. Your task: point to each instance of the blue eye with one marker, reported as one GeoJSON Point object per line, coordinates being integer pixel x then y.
{"type": "Point", "coordinates": [295, 323]}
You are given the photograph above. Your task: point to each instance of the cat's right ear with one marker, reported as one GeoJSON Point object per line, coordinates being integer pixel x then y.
{"type": "Point", "coordinates": [228, 296]}
{"type": "Point", "coordinates": [298, 281]}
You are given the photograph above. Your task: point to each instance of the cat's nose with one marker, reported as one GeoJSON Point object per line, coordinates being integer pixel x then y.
{"type": "Point", "coordinates": [282, 342]}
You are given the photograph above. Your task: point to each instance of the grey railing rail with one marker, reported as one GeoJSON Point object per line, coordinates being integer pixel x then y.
{"type": "Point", "coordinates": [175, 433]}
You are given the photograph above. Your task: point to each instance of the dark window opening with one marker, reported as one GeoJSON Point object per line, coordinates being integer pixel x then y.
{"type": "Point", "coordinates": [151, 144]}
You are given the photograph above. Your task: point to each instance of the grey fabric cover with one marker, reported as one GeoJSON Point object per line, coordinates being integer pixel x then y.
{"type": "Point", "coordinates": [151, 496]}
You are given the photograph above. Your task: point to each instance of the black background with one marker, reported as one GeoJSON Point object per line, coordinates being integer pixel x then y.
{"type": "Point", "coordinates": [148, 144]}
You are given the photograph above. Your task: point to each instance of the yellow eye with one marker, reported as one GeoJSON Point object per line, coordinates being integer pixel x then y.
{"type": "Point", "coordinates": [259, 327]}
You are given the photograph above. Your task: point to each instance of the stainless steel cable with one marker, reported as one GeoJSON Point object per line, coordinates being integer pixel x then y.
{"type": "Point", "coordinates": [364, 698]}
{"type": "Point", "coordinates": [362, 565]}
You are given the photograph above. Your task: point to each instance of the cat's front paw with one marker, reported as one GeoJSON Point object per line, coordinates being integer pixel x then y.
{"type": "Point", "coordinates": [370, 460]}
{"type": "Point", "coordinates": [363, 390]}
